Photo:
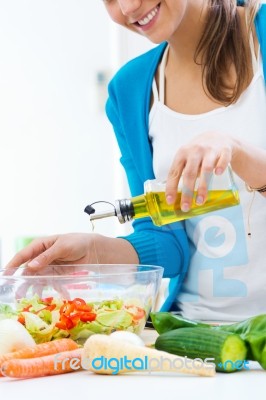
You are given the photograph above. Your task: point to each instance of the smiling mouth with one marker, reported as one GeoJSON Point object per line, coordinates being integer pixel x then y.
{"type": "Point", "coordinates": [149, 17]}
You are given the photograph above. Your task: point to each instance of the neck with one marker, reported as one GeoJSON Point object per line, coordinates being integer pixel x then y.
{"type": "Point", "coordinates": [185, 40]}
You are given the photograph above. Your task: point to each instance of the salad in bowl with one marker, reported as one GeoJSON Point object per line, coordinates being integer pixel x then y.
{"type": "Point", "coordinates": [76, 301]}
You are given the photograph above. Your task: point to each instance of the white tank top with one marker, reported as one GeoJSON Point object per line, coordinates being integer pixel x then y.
{"type": "Point", "coordinates": [227, 273]}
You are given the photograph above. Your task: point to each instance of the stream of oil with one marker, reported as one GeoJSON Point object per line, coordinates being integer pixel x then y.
{"type": "Point", "coordinates": [94, 244]}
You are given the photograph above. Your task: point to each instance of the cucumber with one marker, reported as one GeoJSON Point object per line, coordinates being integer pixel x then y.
{"type": "Point", "coordinates": [227, 349]}
{"type": "Point", "coordinates": [253, 332]}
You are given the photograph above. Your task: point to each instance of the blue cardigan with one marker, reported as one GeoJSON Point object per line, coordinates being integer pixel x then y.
{"type": "Point", "coordinates": [128, 108]}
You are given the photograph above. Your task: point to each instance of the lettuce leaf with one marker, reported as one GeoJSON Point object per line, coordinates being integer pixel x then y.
{"type": "Point", "coordinates": [119, 319]}
{"type": "Point", "coordinates": [7, 311]}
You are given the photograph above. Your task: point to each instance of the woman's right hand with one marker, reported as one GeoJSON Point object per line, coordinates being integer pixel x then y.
{"type": "Point", "coordinates": [71, 248]}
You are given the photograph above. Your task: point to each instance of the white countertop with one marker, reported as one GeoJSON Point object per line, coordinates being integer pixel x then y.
{"type": "Point", "coordinates": [245, 384]}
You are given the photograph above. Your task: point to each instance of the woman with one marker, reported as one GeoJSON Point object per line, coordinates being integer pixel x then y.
{"type": "Point", "coordinates": [190, 106]}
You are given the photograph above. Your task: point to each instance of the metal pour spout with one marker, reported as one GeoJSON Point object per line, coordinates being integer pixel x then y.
{"type": "Point", "coordinates": [122, 209]}
{"type": "Point", "coordinates": [100, 214]}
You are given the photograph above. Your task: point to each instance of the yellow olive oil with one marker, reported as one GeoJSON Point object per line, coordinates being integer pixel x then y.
{"type": "Point", "coordinates": [154, 205]}
{"type": "Point", "coordinates": [222, 193]}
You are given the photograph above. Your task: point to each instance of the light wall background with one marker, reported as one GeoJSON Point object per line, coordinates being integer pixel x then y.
{"type": "Point", "coordinates": [57, 148]}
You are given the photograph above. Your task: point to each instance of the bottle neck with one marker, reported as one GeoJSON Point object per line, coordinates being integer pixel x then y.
{"type": "Point", "coordinates": [124, 209]}
{"type": "Point", "coordinates": [134, 208]}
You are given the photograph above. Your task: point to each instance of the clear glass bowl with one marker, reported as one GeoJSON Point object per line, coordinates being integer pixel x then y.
{"type": "Point", "coordinates": [77, 301]}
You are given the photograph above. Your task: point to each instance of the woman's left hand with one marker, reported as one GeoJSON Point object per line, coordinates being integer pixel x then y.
{"type": "Point", "coordinates": [207, 153]}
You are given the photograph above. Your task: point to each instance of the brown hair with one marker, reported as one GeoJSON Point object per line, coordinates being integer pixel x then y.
{"type": "Point", "coordinates": [222, 44]}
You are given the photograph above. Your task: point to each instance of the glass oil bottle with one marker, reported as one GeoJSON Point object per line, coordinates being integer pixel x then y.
{"type": "Point", "coordinates": [222, 193]}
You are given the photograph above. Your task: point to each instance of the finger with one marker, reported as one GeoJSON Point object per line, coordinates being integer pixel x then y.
{"type": "Point", "coordinates": [206, 174]}
{"type": "Point", "coordinates": [19, 259]}
{"type": "Point", "coordinates": [223, 161]}
{"type": "Point", "coordinates": [25, 271]}
{"type": "Point", "coordinates": [172, 182]}
{"type": "Point", "coordinates": [9, 271]}
{"type": "Point", "coordinates": [62, 290]}
{"type": "Point", "coordinates": [190, 174]}
{"type": "Point", "coordinates": [26, 288]}
{"type": "Point", "coordinates": [35, 248]}
{"type": "Point", "coordinates": [21, 291]}
{"type": "Point", "coordinates": [37, 289]}
{"type": "Point", "coordinates": [45, 258]}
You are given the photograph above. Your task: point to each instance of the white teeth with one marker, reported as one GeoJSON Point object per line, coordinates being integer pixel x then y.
{"type": "Point", "coordinates": [149, 17]}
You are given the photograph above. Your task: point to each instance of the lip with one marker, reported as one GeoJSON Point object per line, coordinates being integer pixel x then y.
{"type": "Point", "coordinates": [147, 26]}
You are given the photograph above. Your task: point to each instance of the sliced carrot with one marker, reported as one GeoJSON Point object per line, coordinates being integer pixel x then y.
{"type": "Point", "coordinates": [54, 364]}
{"type": "Point", "coordinates": [42, 349]}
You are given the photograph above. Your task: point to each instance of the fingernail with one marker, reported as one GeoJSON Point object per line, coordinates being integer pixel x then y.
{"type": "Point", "coordinates": [199, 200]}
{"type": "Point", "coordinates": [34, 263]}
{"type": "Point", "coordinates": [185, 207]}
{"type": "Point", "coordinates": [169, 199]}
{"type": "Point", "coordinates": [218, 171]}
